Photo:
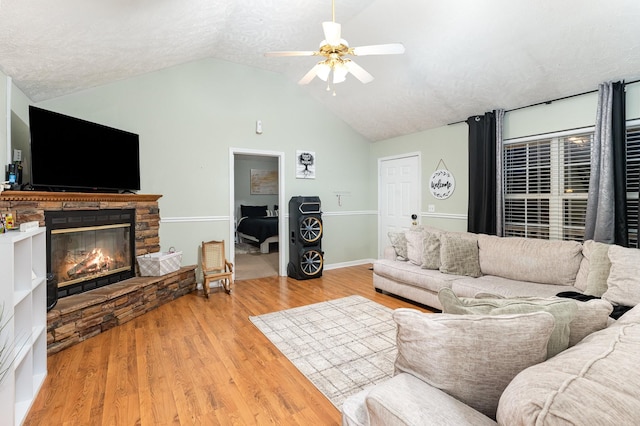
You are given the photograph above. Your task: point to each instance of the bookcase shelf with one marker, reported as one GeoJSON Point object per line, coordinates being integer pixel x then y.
{"type": "Point", "coordinates": [23, 294]}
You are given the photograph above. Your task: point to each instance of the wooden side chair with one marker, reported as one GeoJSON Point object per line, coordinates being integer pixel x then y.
{"type": "Point", "coordinates": [215, 266]}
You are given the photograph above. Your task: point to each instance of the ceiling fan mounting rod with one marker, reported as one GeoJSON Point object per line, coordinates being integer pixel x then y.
{"type": "Point", "coordinates": [333, 10]}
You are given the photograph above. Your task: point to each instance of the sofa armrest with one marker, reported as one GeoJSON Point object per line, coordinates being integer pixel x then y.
{"type": "Point", "coordinates": [389, 253]}
{"type": "Point", "coordinates": [407, 400]}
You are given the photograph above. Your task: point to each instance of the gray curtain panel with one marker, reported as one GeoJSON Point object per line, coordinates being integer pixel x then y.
{"type": "Point", "coordinates": [499, 174]}
{"type": "Point", "coordinates": [606, 208]}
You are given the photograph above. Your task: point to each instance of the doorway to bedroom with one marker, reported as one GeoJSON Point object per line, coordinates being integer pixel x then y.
{"type": "Point", "coordinates": [257, 226]}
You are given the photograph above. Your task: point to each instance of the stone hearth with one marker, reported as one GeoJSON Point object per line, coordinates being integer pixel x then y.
{"type": "Point", "coordinates": [78, 317]}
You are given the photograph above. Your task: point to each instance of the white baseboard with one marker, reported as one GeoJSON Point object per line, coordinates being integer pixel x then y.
{"type": "Point", "coordinates": [330, 266]}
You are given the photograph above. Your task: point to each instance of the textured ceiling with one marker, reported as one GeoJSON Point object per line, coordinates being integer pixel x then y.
{"type": "Point", "coordinates": [463, 57]}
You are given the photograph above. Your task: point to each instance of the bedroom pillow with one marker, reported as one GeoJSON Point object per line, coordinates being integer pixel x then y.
{"type": "Point", "coordinates": [563, 311]}
{"type": "Point", "coordinates": [459, 255]}
{"type": "Point", "coordinates": [253, 211]}
{"type": "Point", "coordinates": [471, 357]}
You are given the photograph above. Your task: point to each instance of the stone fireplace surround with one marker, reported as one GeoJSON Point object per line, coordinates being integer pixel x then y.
{"type": "Point", "coordinates": [76, 318]}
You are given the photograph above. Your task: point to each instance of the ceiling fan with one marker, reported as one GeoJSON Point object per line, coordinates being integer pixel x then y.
{"type": "Point", "coordinates": [334, 50]}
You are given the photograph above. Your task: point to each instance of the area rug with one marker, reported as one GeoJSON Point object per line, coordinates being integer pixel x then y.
{"type": "Point", "coordinates": [342, 346]}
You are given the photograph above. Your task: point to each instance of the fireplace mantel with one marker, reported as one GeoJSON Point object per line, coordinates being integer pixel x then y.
{"type": "Point", "coordinates": [75, 196]}
{"type": "Point", "coordinates": [28, 206]}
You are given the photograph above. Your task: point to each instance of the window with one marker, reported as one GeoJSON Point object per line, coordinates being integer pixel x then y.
{"type": "Point", "coordinates": [633, 178]}
{"type": "Point", "coordinates": [546, 183]}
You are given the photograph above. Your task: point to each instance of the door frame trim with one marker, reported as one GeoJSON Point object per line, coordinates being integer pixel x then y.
{"type": "Point", "coordinates": [417, 154]}
{"type": "Point", "coordinates": [281, 200]}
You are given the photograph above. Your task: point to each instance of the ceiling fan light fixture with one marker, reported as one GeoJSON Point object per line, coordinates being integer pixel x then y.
{"type": "Point", "coordinates": [339, 73]}
{"type": "Point", "coordinates": [335, 49]}
{"type": "Point", "coordinates": [322, 71]}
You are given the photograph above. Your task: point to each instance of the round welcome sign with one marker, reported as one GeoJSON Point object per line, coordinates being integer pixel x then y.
{"type": "Point", "coordinates": [442, 184]}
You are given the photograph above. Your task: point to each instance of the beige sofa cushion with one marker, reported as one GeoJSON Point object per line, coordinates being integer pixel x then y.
{"type": "Point", "coordinates": [506, 287]}
{"type": "Point", "coordinates": [623, 284]}
{"type": "Point", "coordinates": [412, 275]}
{"type": "Point", "coordinates": [470, 357]}
{"type": "Point", "coordinates": [563, 311]}
{"type": "Point", "coordinates": [590, 316]}
{"type": "Point", "coordinates": [592, 383]}
{"type": "Point", "coordinates": [528, 259]}
{"type": "Point", "coordinates": [406, 400]}
{"type": "Point", "coordinates": [594, 268]}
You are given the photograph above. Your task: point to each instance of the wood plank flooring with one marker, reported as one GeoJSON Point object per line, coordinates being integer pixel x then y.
{"type": "Point", "coordinates": [195, 361]}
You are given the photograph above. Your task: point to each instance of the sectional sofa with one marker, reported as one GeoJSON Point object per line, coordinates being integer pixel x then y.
{"type": "Point", "coordinates": [505, 350]}
{"type": "Point", "coordinates": [423, 260]}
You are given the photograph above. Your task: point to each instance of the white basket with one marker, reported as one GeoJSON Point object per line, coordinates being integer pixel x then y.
{"type": "Point", "coordinates": [157, 264]}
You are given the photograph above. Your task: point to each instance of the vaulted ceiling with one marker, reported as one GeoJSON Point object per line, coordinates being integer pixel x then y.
{"type": "Point", "coordinates": [463, 57]}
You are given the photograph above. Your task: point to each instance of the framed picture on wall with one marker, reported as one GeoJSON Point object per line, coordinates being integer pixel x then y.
{"type": "Point", "coordinates": [264, 182]}
{"type": "Point", "coordinates": [305, 164]}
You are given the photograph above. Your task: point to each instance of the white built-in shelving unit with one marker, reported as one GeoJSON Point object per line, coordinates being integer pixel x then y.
{"type": "Point", "coordinates": [23, 293]}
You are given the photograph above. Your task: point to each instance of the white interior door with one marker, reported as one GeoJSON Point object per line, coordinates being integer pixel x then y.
{"type": "Point", "coordinates": [399, 195]}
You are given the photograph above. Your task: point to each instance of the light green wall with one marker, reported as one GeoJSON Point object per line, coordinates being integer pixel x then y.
{"type": "Point", "coordinates": [571, 113]}
{"type": "Point", "coordinates": [4, 113]}
{"type": "Point", "coordinates": [189, 116]}
{"type": "Point", "coordinates": [449, 144]}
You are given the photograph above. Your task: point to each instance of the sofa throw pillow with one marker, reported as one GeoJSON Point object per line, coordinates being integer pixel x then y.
{"type": "Point", "coordinates": [415, 246]}
{"type": "Point", "coordinates": [563, 311]}
{"type": "Point", "coordinates": [470, 357]}
{"type": "Point", "coordinates": [430, 250]}
{"type": "Point", "coordinates": [459, 255]}
{"type": "Point", "coordinates": [623, 284]}
{"type": "Point", "coordinates": [399, 242]}
{"type": "Point", "coordinates": [591, 316]}
{"type": "Point", "coordinates": [594, 268]}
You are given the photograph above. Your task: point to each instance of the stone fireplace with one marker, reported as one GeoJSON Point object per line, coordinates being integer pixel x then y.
{"type": "Point", "coordinates": [91, 305]}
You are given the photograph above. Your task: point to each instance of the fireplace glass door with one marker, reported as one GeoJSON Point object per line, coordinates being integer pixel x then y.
{"type": "Point", "coordinates": [82, 254]}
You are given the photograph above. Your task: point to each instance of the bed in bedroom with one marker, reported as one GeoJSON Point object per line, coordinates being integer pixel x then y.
{"type": "Point", "coordinates": [259, 225]}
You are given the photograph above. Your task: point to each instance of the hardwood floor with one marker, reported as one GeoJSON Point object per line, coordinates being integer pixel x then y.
{"type": "Point", "coordinates": [195, 361]}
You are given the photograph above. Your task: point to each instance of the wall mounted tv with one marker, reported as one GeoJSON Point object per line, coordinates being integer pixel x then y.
{"type": "Point", "coordinates": [70, 154]}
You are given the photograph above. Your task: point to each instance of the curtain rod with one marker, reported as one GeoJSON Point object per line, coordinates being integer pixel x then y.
{"type": "Point", "coordinates": [549, 102]}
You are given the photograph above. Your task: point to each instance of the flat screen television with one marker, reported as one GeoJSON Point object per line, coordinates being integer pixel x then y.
{"type": "Point", "coordinates": [70, 154]}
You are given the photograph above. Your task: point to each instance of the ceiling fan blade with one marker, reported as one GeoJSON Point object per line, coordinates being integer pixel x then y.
{"type": "Point", "coordinates": [379, 49]}
{"type": "Point", "coordinates": [331, 33]}
{"type": "Point", "coordinates": [291, 53]}
{"type": "Point", "coordinates": [359, 72]}
{"type": "Point", "coordinates": [308, 76]}
{"type": "Point", "coordinates": [320, 69]}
